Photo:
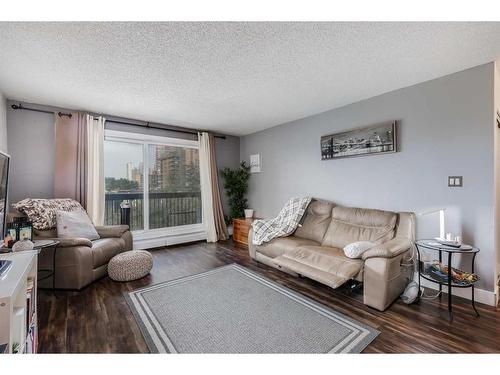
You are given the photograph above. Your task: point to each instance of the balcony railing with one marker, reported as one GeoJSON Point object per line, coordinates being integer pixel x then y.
{"type": "Point", "coordinates": [165, 209]}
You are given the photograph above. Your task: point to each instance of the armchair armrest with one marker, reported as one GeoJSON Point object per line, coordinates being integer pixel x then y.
{"type": "Point", "coordinates": [72, 242]}
{"type": "Point", "coordinates": [389, 249]}
{"type": "Point", "coordinates": [111, 231]}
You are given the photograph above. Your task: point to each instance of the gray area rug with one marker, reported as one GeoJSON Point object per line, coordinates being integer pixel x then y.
{"type": "Point", "coordinates": [233, 310]}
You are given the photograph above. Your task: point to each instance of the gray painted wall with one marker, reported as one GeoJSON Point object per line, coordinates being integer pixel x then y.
{"type": "Point", "coordinates": [3, 124]}
{"type": "Point", "coordinates": [227, 155]}
{"type": "Point", "coordinates": [445, 129]}
{"type": "Point", "coordinates": [31, 139]}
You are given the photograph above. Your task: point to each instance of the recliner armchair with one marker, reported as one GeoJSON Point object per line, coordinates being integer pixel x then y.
{"type": "Point", "coordinates": [79, 261]}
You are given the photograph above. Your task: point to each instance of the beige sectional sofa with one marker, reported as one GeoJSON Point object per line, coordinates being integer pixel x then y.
{"type": "Point", "coordinates": [315, 249]}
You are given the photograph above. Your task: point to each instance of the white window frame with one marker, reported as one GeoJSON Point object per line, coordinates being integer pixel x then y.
{"type": "Point", "coordinates": [146, 237]}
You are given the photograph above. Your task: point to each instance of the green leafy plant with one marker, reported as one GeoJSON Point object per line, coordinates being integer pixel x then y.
{"type": "Point", "coordinates": [236, 185]}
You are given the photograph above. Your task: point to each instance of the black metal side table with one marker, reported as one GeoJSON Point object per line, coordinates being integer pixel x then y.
{"type": "Point", "coordinates": [46, 244]}
{"type": "Point", "coordinates": [433, 245]}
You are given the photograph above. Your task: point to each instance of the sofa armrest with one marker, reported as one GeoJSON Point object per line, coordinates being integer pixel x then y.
{"type": "Point", "coordinates": [389, 249]}
{"type": "Point", "coordinates": [70, 242]}
{"type": "Point", "coordinates": [252, 249]}
{"type": "Point", "coordinates": [111, 231]}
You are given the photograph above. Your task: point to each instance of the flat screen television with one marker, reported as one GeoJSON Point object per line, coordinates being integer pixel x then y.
{"type": "Point", "coordinates": [4, 183]}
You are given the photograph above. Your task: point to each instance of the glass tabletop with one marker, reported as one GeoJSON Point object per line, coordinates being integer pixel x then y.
{"type": "Point", "coordinates": [40, 244]}
{"type": "Point", "coordinates": [432, 244]}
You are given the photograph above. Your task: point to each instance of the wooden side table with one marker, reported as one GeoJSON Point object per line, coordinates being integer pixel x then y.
{"type": "Point", "coordinates": [241, 227]}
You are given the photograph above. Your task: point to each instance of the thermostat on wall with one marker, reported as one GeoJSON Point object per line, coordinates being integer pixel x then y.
{"type": "Point", "coordinates": [255, 163]}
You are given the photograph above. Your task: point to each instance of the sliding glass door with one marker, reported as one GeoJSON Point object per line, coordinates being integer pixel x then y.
{"type": "Point", "coordinates": [174, 186]}
{"type": "Point", "coordinates": [159, 176]}
{"type": "Point", "coordinates": [124, 180]}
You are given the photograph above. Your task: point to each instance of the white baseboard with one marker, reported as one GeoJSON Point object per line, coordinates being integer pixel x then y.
{"type": "Point", "coordinates": [480, 295]}
{"type": "Point", "coordinates": [141, 243]}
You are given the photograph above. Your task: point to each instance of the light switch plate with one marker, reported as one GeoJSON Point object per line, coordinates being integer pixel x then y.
{"type": "Point", "coordinates": [455, 181]}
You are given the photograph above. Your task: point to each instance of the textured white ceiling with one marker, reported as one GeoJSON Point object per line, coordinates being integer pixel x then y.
{"type": "Point", "coordinates": [232, 77]}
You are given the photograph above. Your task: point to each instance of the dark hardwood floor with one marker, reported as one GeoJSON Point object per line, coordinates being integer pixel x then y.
{"type": "Point", "coordinates": [98, 320]}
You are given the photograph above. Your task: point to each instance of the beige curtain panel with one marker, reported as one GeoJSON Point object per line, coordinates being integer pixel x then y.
{"type": "Point", "coordinates": [70, 177]}
{"type": "Point", "coordinates": [79, 164]}
{"type": "Point", "coordinates": [213, 216]}
{"type": "Point", "coordinates": [220, 224]}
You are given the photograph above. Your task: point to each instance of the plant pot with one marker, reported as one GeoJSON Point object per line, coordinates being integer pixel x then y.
{"type": "Point", "coordinates": [248, 214]}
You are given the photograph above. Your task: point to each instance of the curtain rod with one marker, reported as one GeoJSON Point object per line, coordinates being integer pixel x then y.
{"type": "Point", "coordinates": [20, 106]}
{"type": "Point", "coordinates": [146, 125]}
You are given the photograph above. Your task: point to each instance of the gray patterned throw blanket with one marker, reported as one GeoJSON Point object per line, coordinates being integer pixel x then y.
{"type": "Point", "coordinates": [264, 230]}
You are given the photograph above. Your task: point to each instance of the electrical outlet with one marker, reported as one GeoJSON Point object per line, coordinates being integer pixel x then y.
{"type": "Point", "coordinates": [455, 181]}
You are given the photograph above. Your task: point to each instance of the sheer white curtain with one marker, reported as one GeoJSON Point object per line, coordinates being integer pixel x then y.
{"type": "Point", "coordinates": [206, 186]}
{"type": "Point", "coordinates": [95, 168]}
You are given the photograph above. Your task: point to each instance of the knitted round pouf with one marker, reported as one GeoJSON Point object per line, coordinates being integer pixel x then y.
{"type": "Point", "coordinates": [130, 265]}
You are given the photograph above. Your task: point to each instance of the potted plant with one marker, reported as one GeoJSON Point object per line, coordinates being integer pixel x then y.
{"type": "Point", "coordinates": [236, 186]}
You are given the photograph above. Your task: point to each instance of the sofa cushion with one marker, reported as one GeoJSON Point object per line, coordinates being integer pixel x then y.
{"type": "Point", "coordinates": [42, 212]}
{"type": "Point", "coordinates": [328, 259]}
{"type": "Point", "coordinates": [105, 249]}
{"type": "Point", "coordinates": [279, 246]}
{"type": "Point", "coordinates": [324, 264]}
{"type": "Point", "coordinates": [350, 225]}
{"type": "Point", "coordinates": [315, 221]}
{"type": "Point", "coordinates": [75, 224]}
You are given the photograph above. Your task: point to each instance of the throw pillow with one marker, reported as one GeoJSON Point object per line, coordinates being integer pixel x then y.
{"type": "Point", "coordinates": [356, 249]}
{"type": "Point", "coordinates": [42, 212]}
{"type": "Point", "coordinates": [75, 224]}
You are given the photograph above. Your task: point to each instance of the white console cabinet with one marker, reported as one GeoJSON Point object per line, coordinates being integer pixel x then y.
{"type": "Point", "coordinates": [18, 307]}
